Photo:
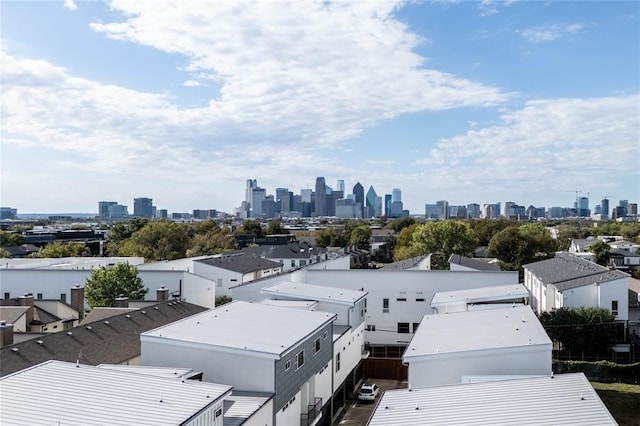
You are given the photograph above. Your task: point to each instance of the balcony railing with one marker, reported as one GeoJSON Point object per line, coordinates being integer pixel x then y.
{"type": "Point", "coordinates": [313, 411]}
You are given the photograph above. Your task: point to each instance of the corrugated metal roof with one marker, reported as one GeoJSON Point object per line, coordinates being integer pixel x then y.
{"type": "Point", "coordinates": [566, 399]}
{"type": "Point", "coordinates": [246, 326]}
{"type": "Point", "coordinates": [64, 393]}
{"type": "Point", "coordinates": [173, 373]}
{"type": "Point", "coordinates": [483, 294]}
{"type": "Point", "coordinates": [241, 406]}
{"type": "Point", "coordinates": [315, 292]}
{"type": "Point", "coordinates": [476, 330]}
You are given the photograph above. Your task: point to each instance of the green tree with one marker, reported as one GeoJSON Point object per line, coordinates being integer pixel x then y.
{"type": "Point", "coordinates": [600, 251]}
{"type": "Point", "coordinates": [361, 237]}
{"type": "Point", "coordinates": [581, 329]}
{"type": "Point", "coordinates": [63, 249]}
{"type": "Point", "coordinates": [569, 231]}
{"type": "Point", "coordinates": [11, 239]}
{"type": "Point", "coordinates": [213, 242]}
{"type": "Point", "coordinates": [485, 229]}
{"type": "Point", "coordinates": [251, 227]}
{"type": "Point", "coordinates": [517, 246]}
{"type": "Point", "coordinates": [275, 227]}
{"type": "Point", "coordinates": [403, 248]}
{"type": "Point", "coordinates": [222, 300]}
{"type": "Point", "coordinates": [161, 240]}
{"type": "Point", "coordinates": [331, 237]}
{"type": "Point", "coordinates": [106, 284]}
{"type": "Point", "coordinates": [121, 232]}
{"type": "Point", "coordinates": [398, 225]}
{"type": "Point", "coordinates": [5, 254]}
{"type": "Point", "coordinates": [444, 238]}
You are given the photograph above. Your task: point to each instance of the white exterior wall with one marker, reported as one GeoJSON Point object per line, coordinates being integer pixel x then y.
{"type": "Point", "coordinates": [615, 290]}
{"type": "Point", "coordinates": [322, 384]}
{"type": "Point", "coordinates": [198, 290]}
{"type": "Point", "coordinates": [224, 278]}
{"type": "Point", "coordinates": [58, 309]}
{"type": "Point", "coordinates": [185, 264]}
{"type": "Point", "coordinates": [445, 369]}
{"type": "Point", "coordinates": [349, 346]}
{"type": "Point", "coordinates": [290, 415]}
{"type": "Point", "coordinates": [380, 284]}
{"type": "Point", "coordinates": [339, 263]}
{"type": "Point", "coordinates": [534, 285]}
{"type": "Point", "coordinates": [581, 296]}
{"type": "Point", "coordinates": [240, 370]}
{"type": "Point", "coordinates": [262, 417]}
{"type": "Point", "coordinates": [208, 417]}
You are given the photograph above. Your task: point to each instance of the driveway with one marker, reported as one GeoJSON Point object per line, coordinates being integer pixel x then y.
{"type": "Point", "coordinates": [357, 413]}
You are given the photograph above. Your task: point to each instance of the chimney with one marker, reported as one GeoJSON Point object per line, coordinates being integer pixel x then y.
{"type": "Point", "coordinates": [27, 300]}
{"type": "Point", "coordinates": [6, 333]}
{"type": "Point", "coordinates": [122, 302]}
{"type": "Point", "coordinates": [77, 300]}
{"type": "Point", "coordinates": [162, 294]}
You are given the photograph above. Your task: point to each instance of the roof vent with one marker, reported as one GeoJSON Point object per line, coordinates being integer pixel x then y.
{"type": "Point", "coordinates": [143, 312]}
{"type": "Point", "coordinates": [106, 322]}
{"type": "Point", "coordinates": [156, 308]}
{"type": "Point", "coordinates": [417, 407]}
{"type": "Point", "coordinates": [581, 397]}
{"type": "Point", "coordinates": [14, 349]}
{"type": "Point", "coordinates": [127, 316]}
{"type": "Point", "coordinates": [69, 333]}
{"type": "Point", "coordinates": [88, 327]}
{"type": "Point", "coordinates": [40, 342]}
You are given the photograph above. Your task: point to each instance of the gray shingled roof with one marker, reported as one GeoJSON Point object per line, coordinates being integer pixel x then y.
{"type": "Point", "coordinates": [282, 251]}
{"type": "Point", "coordinates": [566, 271]}
{"type": "Point", "coordinates": [241, 262]}
{"type": "Point", "coordinates": [477, 264]}
{"type": "Point", "coordinates": [95, 343]}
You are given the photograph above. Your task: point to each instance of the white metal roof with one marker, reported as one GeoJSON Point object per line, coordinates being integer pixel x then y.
{"type": "Point", "coordinates": [246, 326]}
{"type": "Point", "coordinates": [476, 330]}
{"type": "Point", "coordinates": [174, 373]}
{"type": "Point", "coordinates": [566, 399]}
{"type": "Point", "coordinates": [315, 292]}
{"type": "Point", "coordinates": [479, 295]}
{"type": "Point", "coordinates": [57, 392]}
{"type": "Point", "coordinates": [241, 406]}
{"type": "Point", "coordinates": [309, 305]}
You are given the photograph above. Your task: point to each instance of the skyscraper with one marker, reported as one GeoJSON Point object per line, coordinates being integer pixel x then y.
{"type": "Point", "coordinates": [103, 207]}
{"type": "Point", "coordinates": [371, 203]}
{"type": "Point", "coordinates": [358, 192]}
{"type": "Point", "coordinates": [321, 197]}
{"type": "Point", "coordinates": [340, 185]}
{"type": "Point", "coordinates": [604, 207]}
{"type": "Point", "coordinates": [143, 207]}
{"type": "Point", "coordinates": [387, 205]}
{"type": "Point", "coordinates": [396, 195]}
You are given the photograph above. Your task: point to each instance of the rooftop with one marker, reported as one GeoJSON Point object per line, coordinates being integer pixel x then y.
{"type": "Point", "coordinates": [112, 341]}
{"type": "Point", "coordinates": [565, 267]}
{"type": "Point", "coordinates": [246, 326]}
{"type": "Point", "coordinates": [241, 262]}
{"type": "Point", "coordinates": [482, 264]}
{"type": "Point", "coordinates": [561, 399]}
{"type": "Point", "coordinates": [467, 331]}
{"type": "Point", "coordinates": [479, 295]}
{"type": "Point", "coordinates": [101, 396]}
{"type": "Point", "coordinates": [298, 250]}
{"type": "Point", "coordinates": [242, 405]}
{"type": "Point", "coordinates": [315, 292]}
{"type": "Point", "coordinates": [309, 305]}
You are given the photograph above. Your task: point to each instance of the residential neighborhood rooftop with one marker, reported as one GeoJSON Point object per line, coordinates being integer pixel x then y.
{"type": "Point", "coordinates": [298, 250]}
{"type": "Point", "coordinates": [78, 394]}
{"type": "Point", "coordinates": [246, 326]}
{"type": "Point", "coordinates": [241, 262]}
{"type": "Point", "coordinates": [240, 406]}
{"type": "Point", "coordinates": [111, 341]}
{"type": "Point", "coordinates": [562, 399]}
{"type": "Point", "coordinates": [479, 264]}
{"type": "Point", "coordinates": [309, 305]}
{"type": "Point", "coordinates": [476, 330]}
{"type": "Point", "coordinates": [565, 267]}
{"type": "Point", "coordinates": [315, 292]}
{"type": "Point", "coordinates": [481, 294]}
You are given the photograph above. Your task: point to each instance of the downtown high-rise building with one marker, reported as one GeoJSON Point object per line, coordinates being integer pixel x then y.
{"type": "Point", "coordinates": [371, 201]}
{"type": "Point", "coordinates": [103, 207]}
{"type": "Point", "coordinates": [143, 207]}
{"type": "Point", "coordinates": [321, 197]}
{"type": "Point", "coordinates": [358, 193]}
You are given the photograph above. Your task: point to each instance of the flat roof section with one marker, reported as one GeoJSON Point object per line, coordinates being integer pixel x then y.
{"type": "Point", "coordinates": [88, 395]}
{"type": "Point", "coordinates": [480, 295]}
{"type": "Point", "coordinates": [246, 326]}
{"type": "Point", "coordinates": [315, 292]}
{"type": "Point", "coordinates": [540, 401]}
{"type": "Point", "coordinates": [476, 330]}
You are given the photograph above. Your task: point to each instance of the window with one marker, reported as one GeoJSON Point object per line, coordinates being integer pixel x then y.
{"type": "Point", "coordinates": [365, 304]}
{"type": "Point", "coordinates": [385, 306]}
{"type": "Point", "coordinates": [287, 365]}
{"type": "Point", "coordinates": [293, 263]}
{"type": "Point", "coordinates": [420, 300]}
{"type": "Point", "coordinates": [415, 326]}
{"type": "Point", "coordinates": [303, 262]}
{"type": "Point", "coordinates": [299, 360]}
{"type": "Point", "coordinates": [63, 297]}
{"type": "Point", "coordinates": [371, 327]}
{"type": "Point", "coordinates": [337, 362]}
{"type": "Point", "coordinates": [67, 325]}
{"type": "Point", "coordinates": [218, 413]}
{"type": "Point", "coordinates": [316, 346]}
{"type": "Point", "coordinates": [7, 295]}
{"type": "Point", "coordinates": [403, 327]}
{"type": "Point", "coordinates": [614, 307]}
{"type": "Point", "coordinates": [39, 296]}
{"type": "Point", "coordinates": [219, 282]}
{"type": "Point", "coordinates": [401, 299]}
{"type": "Point", "coordinates": [324, 335]}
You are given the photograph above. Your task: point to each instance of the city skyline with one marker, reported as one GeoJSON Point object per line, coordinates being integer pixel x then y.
{"type": "Point", "coordinates": [470, 102]}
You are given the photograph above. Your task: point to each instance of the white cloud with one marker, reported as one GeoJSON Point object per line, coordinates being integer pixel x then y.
{"type": "Point", "coordinates": [550, 32]}
{"type": "Point", "coordinates": [70, 4]}
{"type": "Point", "coordinates": [549, 145]}
{"type": "Point", "coordinates": [191, 83]}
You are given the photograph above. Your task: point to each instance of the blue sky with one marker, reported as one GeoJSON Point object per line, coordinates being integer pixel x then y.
{"type": "Point", "coordinates": [524, 101]}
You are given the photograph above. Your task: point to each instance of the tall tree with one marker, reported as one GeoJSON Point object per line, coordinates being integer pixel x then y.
{"type": "Point", "coordinates": [251, 227]}
{"type": "Point", "coordinates": [161, 240]}
{"type": "Point", "coordinates": [63, 249]}
{"type": "Point", "coordinates": [213, 242]}
{"type": "Point", "coordinates": [10, 239]}
{"type": "Point", "coordinates": [444, 238]}
{"type": "Point", "coordinates": [600, 251]}
{"type": "Point", "coordinates": [361, 237]}
{"type": "Point", "coordinates": [275, 227]}
{"type": "Point", "coordinates": [517, 246]}
{"type": "Point", "coordinates": [106, 284]}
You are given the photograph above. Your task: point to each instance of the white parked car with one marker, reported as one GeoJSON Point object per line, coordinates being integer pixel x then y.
{"type": "Point", "coordinates": [368, 392]}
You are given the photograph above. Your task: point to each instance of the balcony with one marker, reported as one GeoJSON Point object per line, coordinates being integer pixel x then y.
{"type": "Point", "coordinates": [313, 412]}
